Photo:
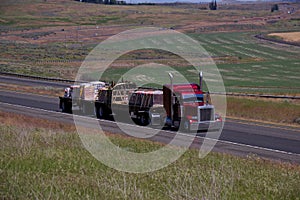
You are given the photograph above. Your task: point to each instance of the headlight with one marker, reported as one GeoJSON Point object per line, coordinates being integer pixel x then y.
{"type": "Point", "coordinates": [218, 117]}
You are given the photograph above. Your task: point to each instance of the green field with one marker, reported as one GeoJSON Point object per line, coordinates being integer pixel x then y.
{"type": "Point", "coordinates": [247, 64]}
{"type": "Point", "coordinates": [257, 66]}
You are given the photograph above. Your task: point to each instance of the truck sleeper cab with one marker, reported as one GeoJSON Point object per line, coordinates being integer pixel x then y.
{"type": "Point", "coordinates": [185, 108]}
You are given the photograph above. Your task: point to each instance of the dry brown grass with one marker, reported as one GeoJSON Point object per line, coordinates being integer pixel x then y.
{"type": "Point", "coordinates": [277, 111]}
{"type": "Point", "coordinates": [28, 122]}
{"type": "Point", "coordinates": [96, 22]}
{"type": "Point", "coordinates": [48, 91]}
{"type": "Point", "coordinates": [12, 119]}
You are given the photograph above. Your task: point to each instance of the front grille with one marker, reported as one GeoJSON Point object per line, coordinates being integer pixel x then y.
{"type": "Point", "coordinates": [155, 119]}
{"type": "Point", "coordinates": [206, 114]}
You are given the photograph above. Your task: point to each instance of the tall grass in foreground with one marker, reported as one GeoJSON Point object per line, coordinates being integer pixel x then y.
{"type": "Point", "coordinates": [51, 163]}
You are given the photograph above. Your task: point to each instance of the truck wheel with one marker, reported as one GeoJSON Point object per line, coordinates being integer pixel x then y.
{"type": "Point", "coordinates": [63, 107]}
{"type": "Point", "coordinates": [100, 112]}
{"type": "Point", "coordinates": [166, 123]}
{"type": "Point", "coordinates": [144, 120]}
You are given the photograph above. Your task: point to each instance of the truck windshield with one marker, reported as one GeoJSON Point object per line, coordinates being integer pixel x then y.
{"type": "Point", "coordinates": [192, 98]}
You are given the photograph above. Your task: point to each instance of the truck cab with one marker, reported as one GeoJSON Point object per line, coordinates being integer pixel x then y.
{"type": "Point", "coordinates": [186, 108]}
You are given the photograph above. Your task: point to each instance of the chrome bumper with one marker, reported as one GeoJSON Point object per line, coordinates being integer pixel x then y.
{"type": "Point", "coordinates": [155, 119]}
{"type": "Point", "coordinates": [199, 126]}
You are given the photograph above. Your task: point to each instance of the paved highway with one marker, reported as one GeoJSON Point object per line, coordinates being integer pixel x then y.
{"type": "Point", "coordinates": [30, 82]}
{"type": "Point", "coordinates": [238, 137]}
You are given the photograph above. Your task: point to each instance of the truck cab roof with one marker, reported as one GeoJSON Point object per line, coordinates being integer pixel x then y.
{"type": "Point", "coordinates": [185, 87]}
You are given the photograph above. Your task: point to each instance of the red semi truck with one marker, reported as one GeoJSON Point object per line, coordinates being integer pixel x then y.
{"type": "Point", "coordinates": [175, 106]}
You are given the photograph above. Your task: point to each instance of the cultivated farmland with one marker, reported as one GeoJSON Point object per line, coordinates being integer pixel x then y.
{"type": "Point", "coordinates": [41, 40]}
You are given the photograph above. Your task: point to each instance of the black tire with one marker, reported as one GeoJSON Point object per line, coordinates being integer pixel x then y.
{"type": "Point", "coordinates": [63, 107]}
{"type": "Point", "coordinates": [144, 120]}
{"type": "Point", "coordinates": [100, 112]}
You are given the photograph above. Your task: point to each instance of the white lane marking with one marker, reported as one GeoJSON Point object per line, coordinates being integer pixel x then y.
{"type": "Point", "coordinates": [261, 124]}
{"type": "Point", "coordinates": [184, 134]}
{"type": "Point", "coordinates": [246, 145]}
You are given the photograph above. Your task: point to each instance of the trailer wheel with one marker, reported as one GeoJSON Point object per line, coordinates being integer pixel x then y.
{"type": "Point", "coordinates": [63, 107]}
{"type": "Point", "coordinates": [100, 112]}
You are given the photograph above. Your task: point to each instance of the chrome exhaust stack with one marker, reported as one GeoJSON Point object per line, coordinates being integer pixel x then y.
{"type": "Point", "coordinates": [201, 80]}
{"type": "Point", "coordinates": [171, 79]}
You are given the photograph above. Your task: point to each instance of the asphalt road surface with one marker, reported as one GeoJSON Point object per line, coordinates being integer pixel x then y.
{"type": "Point", "coordinates": [238, 137]}
{"type": "Point", "coordinates": [31, 82]}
